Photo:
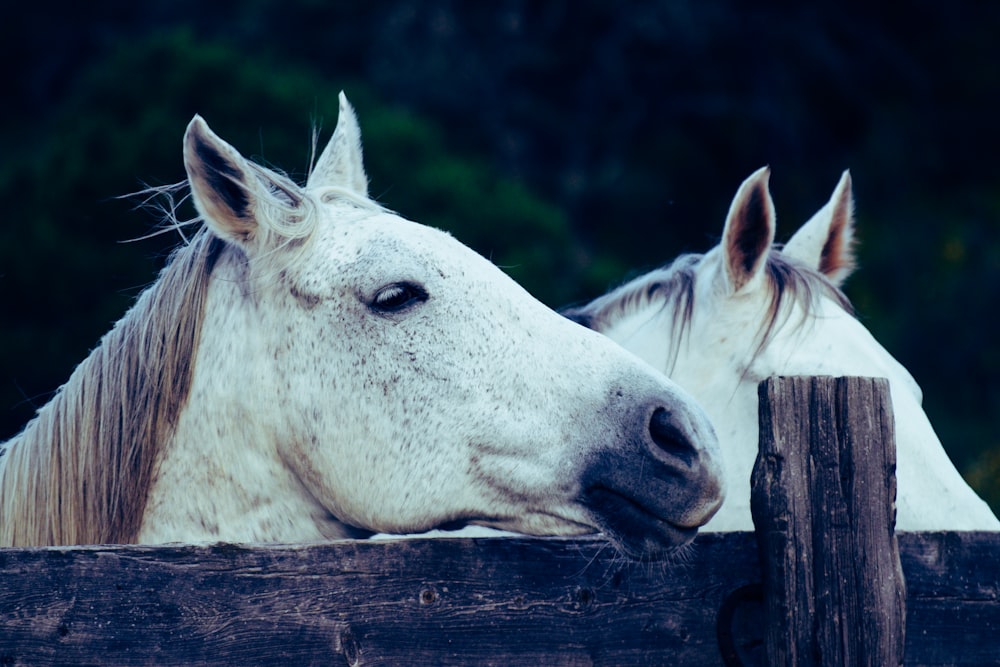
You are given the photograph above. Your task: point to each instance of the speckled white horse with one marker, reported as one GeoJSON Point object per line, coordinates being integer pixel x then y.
{"type": "Point", "coordinates": [721, 322]}
{"type": "Point", "coordinates": [311, 366]}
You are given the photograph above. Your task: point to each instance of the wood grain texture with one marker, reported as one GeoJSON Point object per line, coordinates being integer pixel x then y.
{"type": "Point", "coordinates": [420, 602]}
{"type": "Point", "coordinates": [442, 601]}
{"type": "Point", "coordinates": [823, 502]}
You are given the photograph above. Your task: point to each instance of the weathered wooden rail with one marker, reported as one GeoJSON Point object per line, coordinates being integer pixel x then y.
{"type": "Point", "coordinates": [730, 598]}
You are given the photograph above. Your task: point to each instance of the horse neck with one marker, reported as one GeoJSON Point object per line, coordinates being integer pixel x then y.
{"type": "Point", "coordinates": [80, 470]}
{"type": "Point", "coordinates": [826, 340]}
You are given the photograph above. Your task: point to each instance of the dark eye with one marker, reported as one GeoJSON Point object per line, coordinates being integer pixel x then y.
{"type": "Point", "coordinates": [398, 297]}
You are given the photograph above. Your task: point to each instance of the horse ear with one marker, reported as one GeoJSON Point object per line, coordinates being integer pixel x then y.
{"type": "Point", "coordinates": [340, 164]}
{"type": "Point", "coordinates": [749, 231]}
{"type": "Point", "coordinates": [826, 242]}
{"type": "Point", "coordinates": [218, 177]}
{"type": "Point", "coordinates": [228, 190]}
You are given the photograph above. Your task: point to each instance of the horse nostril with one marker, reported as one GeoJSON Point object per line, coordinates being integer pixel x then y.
{"type": "Point", "coordinates": [670, 438]}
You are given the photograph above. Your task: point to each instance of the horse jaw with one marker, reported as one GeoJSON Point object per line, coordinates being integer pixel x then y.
{"type": "Point", "coordinates": [826, 242]}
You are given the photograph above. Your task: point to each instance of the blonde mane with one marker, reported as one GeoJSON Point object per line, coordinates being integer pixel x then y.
{"type": "Point", "coordinates": [80, 471]}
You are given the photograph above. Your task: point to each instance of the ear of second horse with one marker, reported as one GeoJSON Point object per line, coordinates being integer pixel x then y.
{"type": "Point", "coordinates": [749, 231]}
{"type": "Point", "coordinates": [826, 242]}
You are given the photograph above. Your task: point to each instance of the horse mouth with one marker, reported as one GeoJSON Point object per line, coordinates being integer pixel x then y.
{"type": "Point", "coordinates": [637, 529]}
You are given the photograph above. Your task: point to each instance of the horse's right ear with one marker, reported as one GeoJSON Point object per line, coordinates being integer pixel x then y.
{"type": "Point", "coordinates": [236, 198]}
{"type": "Point", "coordinates": [220, 182]}
{"type": "Point", "coordinates": [826, 242]}
{"type": "Point", "coordinates": [749, 231]}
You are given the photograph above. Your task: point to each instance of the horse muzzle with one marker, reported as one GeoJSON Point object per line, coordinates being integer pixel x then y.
{"type": "Point", "coordinates": [651, 495]}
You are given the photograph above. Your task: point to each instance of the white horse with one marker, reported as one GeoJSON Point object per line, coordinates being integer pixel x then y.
{"type": "Point", "coordinates": [721, 322]}
{"type": "Point", "coordinates": [311, 366]}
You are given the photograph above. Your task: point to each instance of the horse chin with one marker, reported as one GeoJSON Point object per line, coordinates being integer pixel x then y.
{"type": "Point", "coordinates": [638, 530]}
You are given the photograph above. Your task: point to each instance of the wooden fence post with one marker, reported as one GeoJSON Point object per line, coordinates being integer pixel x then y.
{"type": "Point", "coordinates": [823, 502]}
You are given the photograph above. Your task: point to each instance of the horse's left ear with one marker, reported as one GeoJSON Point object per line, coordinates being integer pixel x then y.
{"type": "Point", "coordinates": [749, 231]}
{"type": "Point", "coordinates": [340, 164]}
{"type": "Point", "coordinates": [826, 242]}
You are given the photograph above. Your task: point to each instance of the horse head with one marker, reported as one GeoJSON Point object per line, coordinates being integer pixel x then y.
{"type": "Point", "coordinates": [361, 372]}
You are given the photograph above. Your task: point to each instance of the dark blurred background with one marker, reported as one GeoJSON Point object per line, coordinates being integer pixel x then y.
{"type": "Point", "coordinates": [574, 142]}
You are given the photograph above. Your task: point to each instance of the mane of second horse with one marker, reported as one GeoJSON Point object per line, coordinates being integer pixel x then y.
{"type": "Point", "coordinates": [674, 284]}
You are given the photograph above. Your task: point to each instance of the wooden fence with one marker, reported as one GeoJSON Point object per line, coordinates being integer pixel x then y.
{"type": "Point", "coordinates": [815, 585]}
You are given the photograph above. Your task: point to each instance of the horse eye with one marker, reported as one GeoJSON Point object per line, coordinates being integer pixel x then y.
{"type": "Point", "coordinates": [397, 297]}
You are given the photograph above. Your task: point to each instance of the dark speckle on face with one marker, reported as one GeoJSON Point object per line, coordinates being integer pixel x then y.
{"type": "Point", "coordinates": [307, 300]}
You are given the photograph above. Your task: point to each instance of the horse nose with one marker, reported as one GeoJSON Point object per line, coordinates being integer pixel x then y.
{"type": "Point", "coordinates": [684, 441]}
{"type": "Point", "coordinates": [671, 441]}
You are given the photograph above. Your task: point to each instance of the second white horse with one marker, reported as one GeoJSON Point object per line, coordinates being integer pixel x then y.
{"type": "Point", "coordinates": [721, 322]}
